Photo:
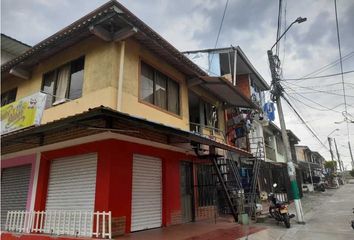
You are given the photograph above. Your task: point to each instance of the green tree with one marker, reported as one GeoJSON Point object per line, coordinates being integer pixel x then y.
{"type": "Point", "coordinates": [330, 165]}
{"type": "Point", "coordinates": [352, 172]}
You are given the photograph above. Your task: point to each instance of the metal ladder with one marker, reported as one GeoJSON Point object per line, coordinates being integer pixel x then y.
{"type": "Point", "coordinates": [259, 156]}
{"type": "Point", "coordinates": [230, 182]}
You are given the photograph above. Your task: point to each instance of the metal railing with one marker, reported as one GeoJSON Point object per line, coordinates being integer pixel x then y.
{"type": "Point", "coordinates": [61, 222]}
{"type": "Point", "coordinates": [215, 133]}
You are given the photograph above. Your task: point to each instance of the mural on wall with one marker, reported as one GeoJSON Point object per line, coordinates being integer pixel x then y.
{"type": "Point", "coordinates": [23, 113]}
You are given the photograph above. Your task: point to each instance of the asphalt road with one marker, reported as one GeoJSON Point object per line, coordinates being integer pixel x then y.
{"type": "Point", "coordinates": [328, 216]}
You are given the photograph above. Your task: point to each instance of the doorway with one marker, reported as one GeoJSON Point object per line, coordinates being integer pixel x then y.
{"type": "Point", "coordinates": [186, 186]}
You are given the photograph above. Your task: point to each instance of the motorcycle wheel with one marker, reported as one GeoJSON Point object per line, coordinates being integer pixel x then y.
{"type": "Point", "coordinates": [286, 220]}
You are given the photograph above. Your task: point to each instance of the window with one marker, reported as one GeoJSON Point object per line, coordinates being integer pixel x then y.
{"type": "Point", "coordinates": [158, 89]}
{"type": "Point", "coordinates": [64, 82]}
{"type": "Point", "coordinates": [8, 97]}
{"type": "Point", "coordinates": [210, 115]}
{"type": "Point", "coordinates": [206, 182]}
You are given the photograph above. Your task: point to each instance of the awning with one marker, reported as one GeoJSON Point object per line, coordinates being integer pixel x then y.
{"type": "Point", "coordinates": [223, 89]}
{"type": "Point", "coordinates": [305, 165]}
{"type": "Point", "coordinates": [101, 119]}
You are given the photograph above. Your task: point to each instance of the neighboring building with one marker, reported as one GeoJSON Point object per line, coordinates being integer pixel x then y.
{"type": "Point", "coordinates": [107, 116]}
{"type": "Point", "coordinates": [310, 162]}
{"type": "Point", "coordinates": [275, 158]}
{"type": "Point", "coordinates": [11, 48]}
{"type": "Point", "coordinates": [244, 126]}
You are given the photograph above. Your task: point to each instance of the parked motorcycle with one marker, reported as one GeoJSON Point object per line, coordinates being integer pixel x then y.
{"type": "Point", "coordinates": [279, 210]}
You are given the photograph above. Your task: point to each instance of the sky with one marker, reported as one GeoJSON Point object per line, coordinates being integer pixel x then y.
{"type": "Point", "coordinates": [250, 24]}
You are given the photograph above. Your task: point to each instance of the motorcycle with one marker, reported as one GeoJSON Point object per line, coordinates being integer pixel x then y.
{"type": "Point", "coordinates": [279, 210]}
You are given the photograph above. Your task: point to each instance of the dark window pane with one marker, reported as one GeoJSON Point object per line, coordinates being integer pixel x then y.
{"type": "Point", "coordinates": [147, 83]}
{"type": "Point", "coordinates": [77, 78]}
{"type": "Point", "coordinates": [160, 91]}
{"type": "Point", "coordinates": [173, 96]}
{"type": "Point", "coordinates": [8, 97]}
{"type": "Point", "coordinates": [48, 87]}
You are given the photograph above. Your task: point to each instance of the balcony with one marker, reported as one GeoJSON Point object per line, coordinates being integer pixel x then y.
{"type": "Point", "coordinates": [213, 133]}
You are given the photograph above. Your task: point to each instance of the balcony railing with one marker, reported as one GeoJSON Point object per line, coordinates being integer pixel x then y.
{"type": "Point", "coordinates": [71, 223]}
{"type": "Point", "coordinates": [208, 131]}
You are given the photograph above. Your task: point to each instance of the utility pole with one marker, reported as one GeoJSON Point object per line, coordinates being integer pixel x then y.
{"type": "Point", "coordinates": [330, 147]}
{"type": "Point", "coordinates": [351, 154]}
{"type": "Point", "coordinates": [277, 93]}
{"type": "Point", "coordinates": [338, 156]}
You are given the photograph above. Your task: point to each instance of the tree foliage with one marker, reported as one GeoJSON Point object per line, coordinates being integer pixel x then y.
{"type": "Point", "coordinates": [330, 165]}
{"type": "Point", "coordinates": [352, 172]}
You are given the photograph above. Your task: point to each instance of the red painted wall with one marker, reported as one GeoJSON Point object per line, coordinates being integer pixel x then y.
{"type": "Point", "coordinates": [114, 176]}
{"type": "Point", "coordinates": [242, 82]}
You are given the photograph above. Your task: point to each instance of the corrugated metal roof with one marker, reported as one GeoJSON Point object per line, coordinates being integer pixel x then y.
{"type": "Point", "coordinates": [102, 111]}
{"type": "Point", "coordinates": [13, 46]}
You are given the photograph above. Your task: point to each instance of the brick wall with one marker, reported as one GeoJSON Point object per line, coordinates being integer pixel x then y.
{"type": "Point", "coordinates": [176, 217]}
{"type": "Point", "coordinates": [207, 212]}
{"type": "Point", "coordinates": [118, 226]}
{"type": "Point", "coordinates": [242, 82]}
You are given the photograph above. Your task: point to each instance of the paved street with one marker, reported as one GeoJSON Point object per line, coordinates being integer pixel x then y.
{"type": "Point", "coordinates": [328, 218]}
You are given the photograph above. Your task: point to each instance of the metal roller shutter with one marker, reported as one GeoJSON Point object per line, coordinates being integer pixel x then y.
{"type": "Point", "coordinates": [14, 189]}
{"type": "Point", "coordinates": [72, 183]}
{"type": "Point", "coordinates": [71, 187]}
{"type": "Point", "coordinates": [146, 193]}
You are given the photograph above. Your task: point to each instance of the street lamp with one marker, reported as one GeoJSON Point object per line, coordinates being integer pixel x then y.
{"type": "Point", "coordinates": [297, 20]}
{"type": "Point", "coordinates": [277, 92]}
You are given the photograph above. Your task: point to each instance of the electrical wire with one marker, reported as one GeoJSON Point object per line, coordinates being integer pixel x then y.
{"type": "Point", "coordinates": [330, 65]}
{"type": "Point", "coordinates": [313, 89]}
{"type": "Point", "coordinates": [278, 27]}
{"type": "Point", "coordinates": [315, 77]}
{"type": "Point", "coordinates": [328, 85]}
{"type": "Point", "coordinates": [303, 121]}
{"type": "Point", "coordinates": [219, 31]}
{"type": "Point", "coordinates": [312, 107]}
{"type": "Point", "coordinates": [341, 68]}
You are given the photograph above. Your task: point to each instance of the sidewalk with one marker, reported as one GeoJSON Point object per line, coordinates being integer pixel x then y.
{"type": "Point", "coordinates": [223, 229]}
{"type": "Point", "coordinates": [327, 217]}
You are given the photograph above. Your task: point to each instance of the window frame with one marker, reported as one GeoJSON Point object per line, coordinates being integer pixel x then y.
{"type": "Point", "coordinates": [15, 89]}
{"type": "Point", "coordinates": [55, 70]}
{"type": "Point", "coordinates": [169, 78]}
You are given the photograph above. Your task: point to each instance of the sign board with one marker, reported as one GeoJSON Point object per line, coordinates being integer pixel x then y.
{"type": "Point", "coordinates": [23, 113]}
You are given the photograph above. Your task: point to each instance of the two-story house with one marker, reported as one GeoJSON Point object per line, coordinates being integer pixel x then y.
{"type": "Point", "coordinates": [311, 164]}
{"type": "Point", "coordinates": [275, 158]}
{"type": "Point", "coordinates": [111, 131]}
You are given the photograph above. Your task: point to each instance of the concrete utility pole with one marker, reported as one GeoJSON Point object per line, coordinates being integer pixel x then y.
{"type": "Point", "coordinates": [351, 154]}
{"type": "Point", "coordinates": [330, 147]}
{"type": "Point", "coordinates": [277, 92]}
{"type": "Point", "coordinates": [338, 156]}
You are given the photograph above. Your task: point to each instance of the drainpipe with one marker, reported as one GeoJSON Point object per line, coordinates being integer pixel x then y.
{"type": "Point", "coordinates": [120, 78]}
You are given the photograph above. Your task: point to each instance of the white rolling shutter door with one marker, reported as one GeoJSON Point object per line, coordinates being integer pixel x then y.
{"type": "Point", "coordinates": [72, 185]}
{"type": "Point", "coordinates": [146, 193]}
{"type": "Point", "coordinates": [14, 189]}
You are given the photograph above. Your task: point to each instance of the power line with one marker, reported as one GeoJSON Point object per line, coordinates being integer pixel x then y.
{"type": "Point", "coordinates": [320, 91]}
{"type": "Point", "coordinates": [304, 122]}
{"type": "Point", "coordinates": [341, 67]}
{"type": "Point", "coordinates": [312, 107]}
{"type": "Point", "coordinates": [217, 38]}
{"type": "Point", "coordinates": [279, 27]}
{"type": "Point", "coordinates": [330, 65]}
{"type": "Point", "coordinates": [310, 100]}
{"type": "Point", "coordinates": [323, 76]}
{"type": "Point", "coordinates": [328, 85]}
